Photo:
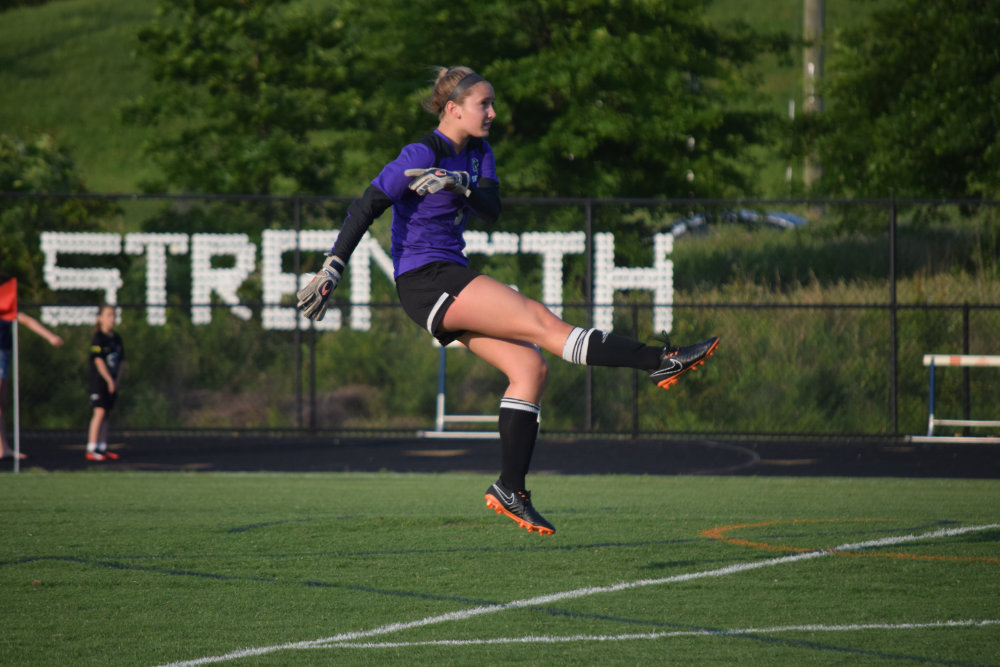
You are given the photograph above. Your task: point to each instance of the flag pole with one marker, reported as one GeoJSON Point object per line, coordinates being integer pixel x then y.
{"type": "Point", "coordinates": [17, 408]}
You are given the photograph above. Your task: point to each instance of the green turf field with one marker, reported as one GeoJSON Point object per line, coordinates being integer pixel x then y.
{"type": "Point", "coordinates": [108, 568]}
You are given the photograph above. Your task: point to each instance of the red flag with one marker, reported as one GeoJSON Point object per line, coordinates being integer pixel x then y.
{"type": "Point", "coordinates": [8, 300]}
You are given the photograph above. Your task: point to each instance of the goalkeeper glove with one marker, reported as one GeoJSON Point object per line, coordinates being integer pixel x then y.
{"type": "Point", "coordinates": [429, 181]}
{"type": "Point", "coordinates": [313, 297]}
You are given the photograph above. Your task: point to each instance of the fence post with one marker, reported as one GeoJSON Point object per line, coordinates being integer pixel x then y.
{"type": "Point", "coordinates": [635, 375]}
{"type": "Point", "coordinates": [312, 379]}
{"type": "Point", "coordinates": [297, 336]}
{"type": "Point", "coordinates": [893, 342]}
{"type": "Point", "coordinates": [588, 383]}
{"type": "Point", "coordinates": [966, 412]}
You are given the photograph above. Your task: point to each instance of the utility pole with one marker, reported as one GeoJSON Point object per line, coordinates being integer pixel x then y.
{"type": "Point", "coordinates": [812, 66]}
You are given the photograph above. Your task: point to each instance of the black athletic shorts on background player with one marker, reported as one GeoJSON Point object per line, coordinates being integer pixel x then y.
{"type": "Point", "coordinates": [427, 292]}
{"type": "Point", "coordinates": [103, 399]}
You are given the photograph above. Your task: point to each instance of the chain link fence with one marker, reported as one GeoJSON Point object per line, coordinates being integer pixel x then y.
{"type": "Point", "coordinates": [825, 309]}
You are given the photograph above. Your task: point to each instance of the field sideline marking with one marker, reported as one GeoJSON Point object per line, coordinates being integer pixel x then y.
{"type": "Point", "coordinates": [719, 533]}
{"type": "Point", "coordinates": [577, 593]}
{"type": "Point", "coordinates": [562, 639]}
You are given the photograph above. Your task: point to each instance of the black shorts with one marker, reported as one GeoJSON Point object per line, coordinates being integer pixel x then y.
{"type": "Point", "coordinates": [103, 399]}
{"type": "Point", "coordinates": [427, 292]}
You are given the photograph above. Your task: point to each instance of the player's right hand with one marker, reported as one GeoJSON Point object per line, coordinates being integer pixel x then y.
{"type": "Point", "coordinates": [313, 297]}
{"type": "Point", "coordinates": [429, 181]}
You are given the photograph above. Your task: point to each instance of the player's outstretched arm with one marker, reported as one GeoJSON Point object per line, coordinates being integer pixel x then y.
{"type": "Point", "coordinates": [39, 328]}
{"type": "Point", "coordinates": [361, 213]}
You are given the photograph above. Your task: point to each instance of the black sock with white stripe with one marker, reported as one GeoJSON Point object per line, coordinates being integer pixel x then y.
{"type": "Point", "coordinates": [518, 423]}
{"type": "Point", "coordinates": [593, 347]}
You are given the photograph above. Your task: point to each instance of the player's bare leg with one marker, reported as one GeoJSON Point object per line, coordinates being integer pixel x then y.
{"type": "Point", "coordinates": [489, 307]}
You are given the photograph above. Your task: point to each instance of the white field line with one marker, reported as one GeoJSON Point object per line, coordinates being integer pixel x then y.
{"type": "Point", "coordinates": [558, 639]}
{"type": "Point", "coordinates": [472, 612]}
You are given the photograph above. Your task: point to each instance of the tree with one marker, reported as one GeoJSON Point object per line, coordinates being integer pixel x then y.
{"type": "Point", "coordinates": [239, 86]}
{"type": "Point", "coordinates": [39, 165]}
{"type": "Point", "coordinates": [628, 99]}
{"type": "Point", "coordinates": [911, 103]}
{"type": "Point", "coordinates": [595, 98]}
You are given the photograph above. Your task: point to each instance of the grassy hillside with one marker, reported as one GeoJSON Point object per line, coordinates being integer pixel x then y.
{"type": "Point", "coordinates": [66, 67]}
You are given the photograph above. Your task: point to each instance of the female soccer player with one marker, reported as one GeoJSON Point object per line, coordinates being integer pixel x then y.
{"type": "Point", "coordinates": [107, 360]}
{"type": "Point", "coordinates": [432, 187]}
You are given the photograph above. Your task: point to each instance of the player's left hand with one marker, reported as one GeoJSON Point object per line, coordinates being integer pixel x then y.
{"type": "Point", "coordinates": [433, 179]}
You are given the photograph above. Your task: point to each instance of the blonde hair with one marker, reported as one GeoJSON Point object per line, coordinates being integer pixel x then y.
{"type": "Point", "coordinates": [447, 88]}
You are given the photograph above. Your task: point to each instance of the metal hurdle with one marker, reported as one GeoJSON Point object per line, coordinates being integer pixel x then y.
{"type": "Point", "coordinates": [442, 418]}
{"type": "Point", "coordinates": [932, 361]}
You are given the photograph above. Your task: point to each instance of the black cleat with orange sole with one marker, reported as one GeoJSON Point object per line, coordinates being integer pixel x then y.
{"type": "Point", "coordinates": [517, 505]}
{"type": "Point", "coordinates": [677, 361]}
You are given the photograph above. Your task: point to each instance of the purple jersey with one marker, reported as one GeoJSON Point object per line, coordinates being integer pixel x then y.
{"type": "Point", "coordinates": [429, 228]}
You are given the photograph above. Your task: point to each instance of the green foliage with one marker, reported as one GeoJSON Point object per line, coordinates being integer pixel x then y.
{"type": "Point", "coordinates": [54, 376]}
{"type": "Point", "coordinates": [272, 94]}
{"type": "Point", "coordinates": [911, 101]}
{"type": "Point", "coordinates": [36, 165]}
{"type": "Point", "coordinates": [632, 99]}
{"type": "Point", "coordinates": [74, 62]}
{"type": "Point", "coordinates": [239, 87]}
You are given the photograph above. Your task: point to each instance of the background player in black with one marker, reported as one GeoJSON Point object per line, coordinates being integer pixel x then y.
{"type": "Point", "coordinates": [107, 358]}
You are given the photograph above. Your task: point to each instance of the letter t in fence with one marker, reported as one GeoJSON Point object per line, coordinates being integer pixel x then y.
{"type": "Point", "coordinates": [659, 279]}
{"type": "Point", "coordinates": [223, 281]}
{"type": "Point", "coordinates": [155, 245]}
{"type": "Point", "coordinates": [553, 246]}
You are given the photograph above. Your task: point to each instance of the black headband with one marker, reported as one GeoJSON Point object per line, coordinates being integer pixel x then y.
{"type": "Point", "coordinates": [464, 84]}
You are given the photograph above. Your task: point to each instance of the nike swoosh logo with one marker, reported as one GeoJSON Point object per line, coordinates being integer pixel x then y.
{"type": "Point", "coordinates": [508, 500]}
{"type": "Point", "coordinates": [675, 367]}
